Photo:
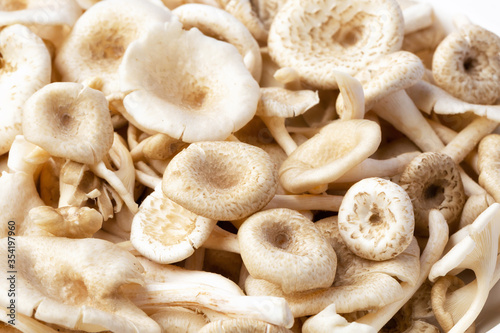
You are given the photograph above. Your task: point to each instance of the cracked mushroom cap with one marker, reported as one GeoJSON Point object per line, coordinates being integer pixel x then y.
{"type": "Point", "coordinates": [177, 88]}
{"type": "Point", "coordinates": [293, 245]}
{"type": "Point", "coordinates": [432, 180]}
{"type": "Point", "coordinates": [329, 154]}
{"type": "Point", "coordinates": [43, 12]}
{"type": "Point", "coordinates": [166, 232]}
{"type": "Point", "coordinates": [376, 219]}
{"type": "Point", "coordinates": [91, 271]}
{"type": "Point", "coordinates": [69, 120]}
{"type": "Point", "coordinates": [221, 180]}
{"type": "Point", "coordinates": [489, 156]}
{"type": "Point", "coordinates": [319, 37]}
{"type": "Point", "coordinates": [25, 67]}
{"type": "Point", "coordinates": [467, 65]}
{"type": "Point", "coordinates": [97, 43]}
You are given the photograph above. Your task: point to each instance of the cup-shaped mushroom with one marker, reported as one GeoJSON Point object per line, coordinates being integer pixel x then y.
{"type": "Point", "coordinates": [42, 12]}
{"type": "Point", "coordinates": [432, 180]}
{"type": "Point", "coordinates": [376, 219]}
{"type": "Point", "coordinates": [192, 100]}
{"type": "Point", "coordinates": [489, 172]}
{"type": "Point", "coordinates": [318, 38]}
{"type": "Point", "coordinates": [221, 180]}
{"type": "Point", "coordinates": [332, 152]}
{"type": "Point", "coordinates": [285, 248]}
{"type": "Point", "coordinates": [69, 120]}
{"type": "Point", "coordinates": [25, 67]}
{"type": "Point", "coordinates": [166, 232]}
{"type": "Point", "coordinates": [97, 43]}
{"type": "Point", "coordinates": [467, 64]}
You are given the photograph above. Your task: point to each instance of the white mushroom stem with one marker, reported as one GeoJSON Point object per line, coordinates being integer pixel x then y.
{"type": "Point", "coordinates": [221, 239]}
{"type": "Point", "coordinates": [306, 202]}
{"type": "Point", "coordinates": [353, 96]}
{"type": "Point", "coordinates": [24, 323]}
{"type": "Point", "coordinates": [146, 179]}
{"type": "Point", "coordinates": [276, 126]}
{"type": "Point", "coordinates": [438, 230]}
{"type": "Point", "coordinates": [417, 16]}
{"type": "Point", "coordinates": [195, 261]}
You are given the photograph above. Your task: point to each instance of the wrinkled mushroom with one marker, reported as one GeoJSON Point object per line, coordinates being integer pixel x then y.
{"type": "Point", "coordinates": [487, 163]}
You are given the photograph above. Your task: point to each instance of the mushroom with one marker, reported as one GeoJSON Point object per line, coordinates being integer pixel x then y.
{"type": "Point", "coordinates": [69, 120]}
{"type": "Point", "coordinates": [96, 45]}
{"type": "Point", "coordinates": [417, 15]}
{"type": "Point", "coordinates": [476, 251]}
{"type": "Point", "coordinates": [294, 246]}
{"type": "Point", "coordinates": [221, 180]}
{"type": "Point", "coordinates": [220, 24]}
{"type": "Point", "coordinates": [242, 325]}
{"type": "Point", "coordinates": [329, 154]}
{"type": "Point", "coordinates": [178, 319]}
{"type": "Point", "coordinates": [303, 202]}
{"type": "Point", "coordinates": [376, 219]}
{"type": "Point", "coordinates": [329, 321]}
{"type": "Point", "coordinates": [224, 240]}
{"type": "Point", "coordinates": [42, 12]}
{"type": "Point", "coordinates": [467, 64]}
{"type": "Point", "coordinates": [190, 100]}
{"type": "Point", "coordinates": [321, 38]}
{"type": "Point", "coordinates": [489, 173]}
{"type": "Point", "coordinates": [432, 181]}
{"type": "Point", "coordinates": [475, 205]}
{"type": "Point", "coordinates": [165, 232]}
{"type": "Point", "coordinates": [22, 323]}
{"type": "Point", "coordinates": [25, 67]}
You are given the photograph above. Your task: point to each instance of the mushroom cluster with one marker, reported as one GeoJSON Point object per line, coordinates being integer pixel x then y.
{"type": "Point", "coordinates": [246, 166]}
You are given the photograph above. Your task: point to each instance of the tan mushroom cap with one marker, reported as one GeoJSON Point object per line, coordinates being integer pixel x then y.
{"type": "Point", "coordinates": [25, 67]}
{"type": "Point", "coordinates": [221, 180]}
{"type": "Point", "coordinates": [467, 64]}
{"type": "Point", "coordinates": [179, 320]}
{"type": "Point", "coordinates": [69, 120]}
{"type": "Point", "coordinates": [285, 248]}
{"type": "Point", "coordinates": [165, 232]}
{"type": "Point", "coordinates": [432, 180]}
{"type": "Point", "coordinates": [376, 219]}
{"type": "Point", "coordinates": [242, 325]}
{"type": "Point", "coordinates": [489, 155]}
{"type": "Point", "coordinates": [319, 37]}
{"type": "Point", "coordinates": [97, 43]}
{"type": "Point", "coordinates": [43, 12]}
{"type": "Point", "coordinates": [192, 100]}
{"type": "Point", "coordinates": [444, 285]}
{"type": "Point", "coordinates": [329, 154]}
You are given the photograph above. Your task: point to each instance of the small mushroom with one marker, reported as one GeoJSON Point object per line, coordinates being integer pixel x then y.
{"type": "Point", "coordinates": [467, 64]}
{"type": "Point", "coordinates": [376, 219]}
{"type": "Point", "coordinates": [221, 180]}
{"type": "Point", "coordinates": [432, 181]}
{"type": "Point", "coordinates": [294, 245]}
{"type": "Point", "coordinates": [487, 163]}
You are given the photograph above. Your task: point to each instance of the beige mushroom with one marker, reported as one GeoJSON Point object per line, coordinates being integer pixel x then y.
{"type": "Point", "coordinates": [221, 180]}
{"type": "Point", "coordinates": [488, 165]}
{"type": "Point", "coordinates": [417, 15]}
{"type": "Point", "coordinates": [243, 11]}
{"type": "Point", "coordinates": [329, 154]}
{"type": "Point", "coordinates": [467, 64]}
{"type": "Point", "coordinates": [432, 181]}
{"type": "Point", "coordinates": [294, 246]}
{"type": "Point", "coordinates": [475, 205]}
{"type": "Point", "coordinates": [25, 67]}
{"type": "Point", "coordinates": [42, 12]}
{"type": "Point", "coordinates": [179, 320]}
{"type": "Point", "coordinates": [243, 326]}
{"type": "Point", "coordinates": [329, 321]}
{"type": "Point", "coordinates": [22, 323]}
{"type": "Point", "coordinates": [69, 120]}
{"type": "Point", "coordinates": [376, 219]}
{"type": "Point", "coordinates": [321, 38]}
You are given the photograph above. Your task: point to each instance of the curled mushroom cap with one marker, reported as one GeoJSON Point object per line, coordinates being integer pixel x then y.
{"type": "Point", "coordinates": [467, 64]}
{"type": "Point", "coordinates": [376, 219]}
{"type": "Point", "coordinates": [329, 154]}
{"type": "Point", "coordinates": [432, 180]}
{"type": "Point", "coordinates": [221, 180]}
{"type": "Point", "coordinates": [43, 12]}
{"type": "Point", "coordinates": [97, 43]}
{"type": "Point", "coordinates": [25, 67]}
{"type": "Point", "coordinates": [489, 173]}
{"type": "Point", "coordinates": [165, 232]}
{"type": "Point", "coordinates": [293, 245]}
{"type": "Point", "coordinates": [191, 100]}
{"type": "Point", "coordinates": [319, 37]}
{"type": "Point", "coordinates": [69, 120]}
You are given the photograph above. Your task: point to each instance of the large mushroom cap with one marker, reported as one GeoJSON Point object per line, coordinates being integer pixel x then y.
{"type": "Point", "coordinates": [69, 120]}
{"type": "Point", "coordinates": [177, 88]}
{"type": "Point", "coordinates": [319, 37]}
{"type": "Point", "coordinates": [221, 180]}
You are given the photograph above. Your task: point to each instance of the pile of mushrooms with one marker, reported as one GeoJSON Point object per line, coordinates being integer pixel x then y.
{"type": "Point", "coordinates": [250, 166]}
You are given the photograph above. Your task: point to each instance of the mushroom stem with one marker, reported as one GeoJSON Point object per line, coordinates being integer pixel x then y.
{"type": "Point", "coordinates": [438, 231]}
{"type": "Point", "coordinates": [24, 323]}
{"type": "Point", "coordinates": [221, 239]}
{"type": "Point", "coordinates": [195, 261]}
{"type": "Point", "coordinates": [417, 16]}
{"type": "Point", "coordinates": [276, 126]}
{"type": "Point", "coordinates": [306, 202]}
{"type": "Point", "coordinates": [146, 179]}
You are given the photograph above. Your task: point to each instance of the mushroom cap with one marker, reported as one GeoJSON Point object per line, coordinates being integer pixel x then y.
{"type": "Point", "coordinates": [489, 173]}
{"type": "Point", "coordinates": [329, 154]}
{"type": "Point", "coordinates": [25, 67]}
{"type": "Point", "coordinates": [179, 320]}
{"type": "Point", "coordinates": [467, 64]}
{"type": "Point", "coordinates": [166, 232]}
{"type": "Point", "coordinates": [221, 180]}
{"type": "Point", "coordinates": [376, 219]}
{"type": "Point", "coordinates": [97, 43]}
{"type": "Point", "coordinates": [242, 325]}
{"type": "Point", "coordinates": [329, 321]}
{"type": "Point", "coordinates": [319, 37]}
{"type": "Point", "coordinates": [432, 180]}
{"type": "Point", "coordinates": [42, 12]}
{"type": "Point", "coordinates": [285, 248]}
{"type": "Point", "coordinates": [280, 102]}
{"type": "Point", "coordinates": [177, 88]}
{"type": "Point", "coordinates": [69, 120]}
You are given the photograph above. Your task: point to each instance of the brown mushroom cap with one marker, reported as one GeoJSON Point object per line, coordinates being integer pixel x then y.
{"type": "Point", "coordinates": [489, 156]}
{"type": "Point", "coordinates": [221, 180]}
{"type": "Point", "coordinates": [432, 180]}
